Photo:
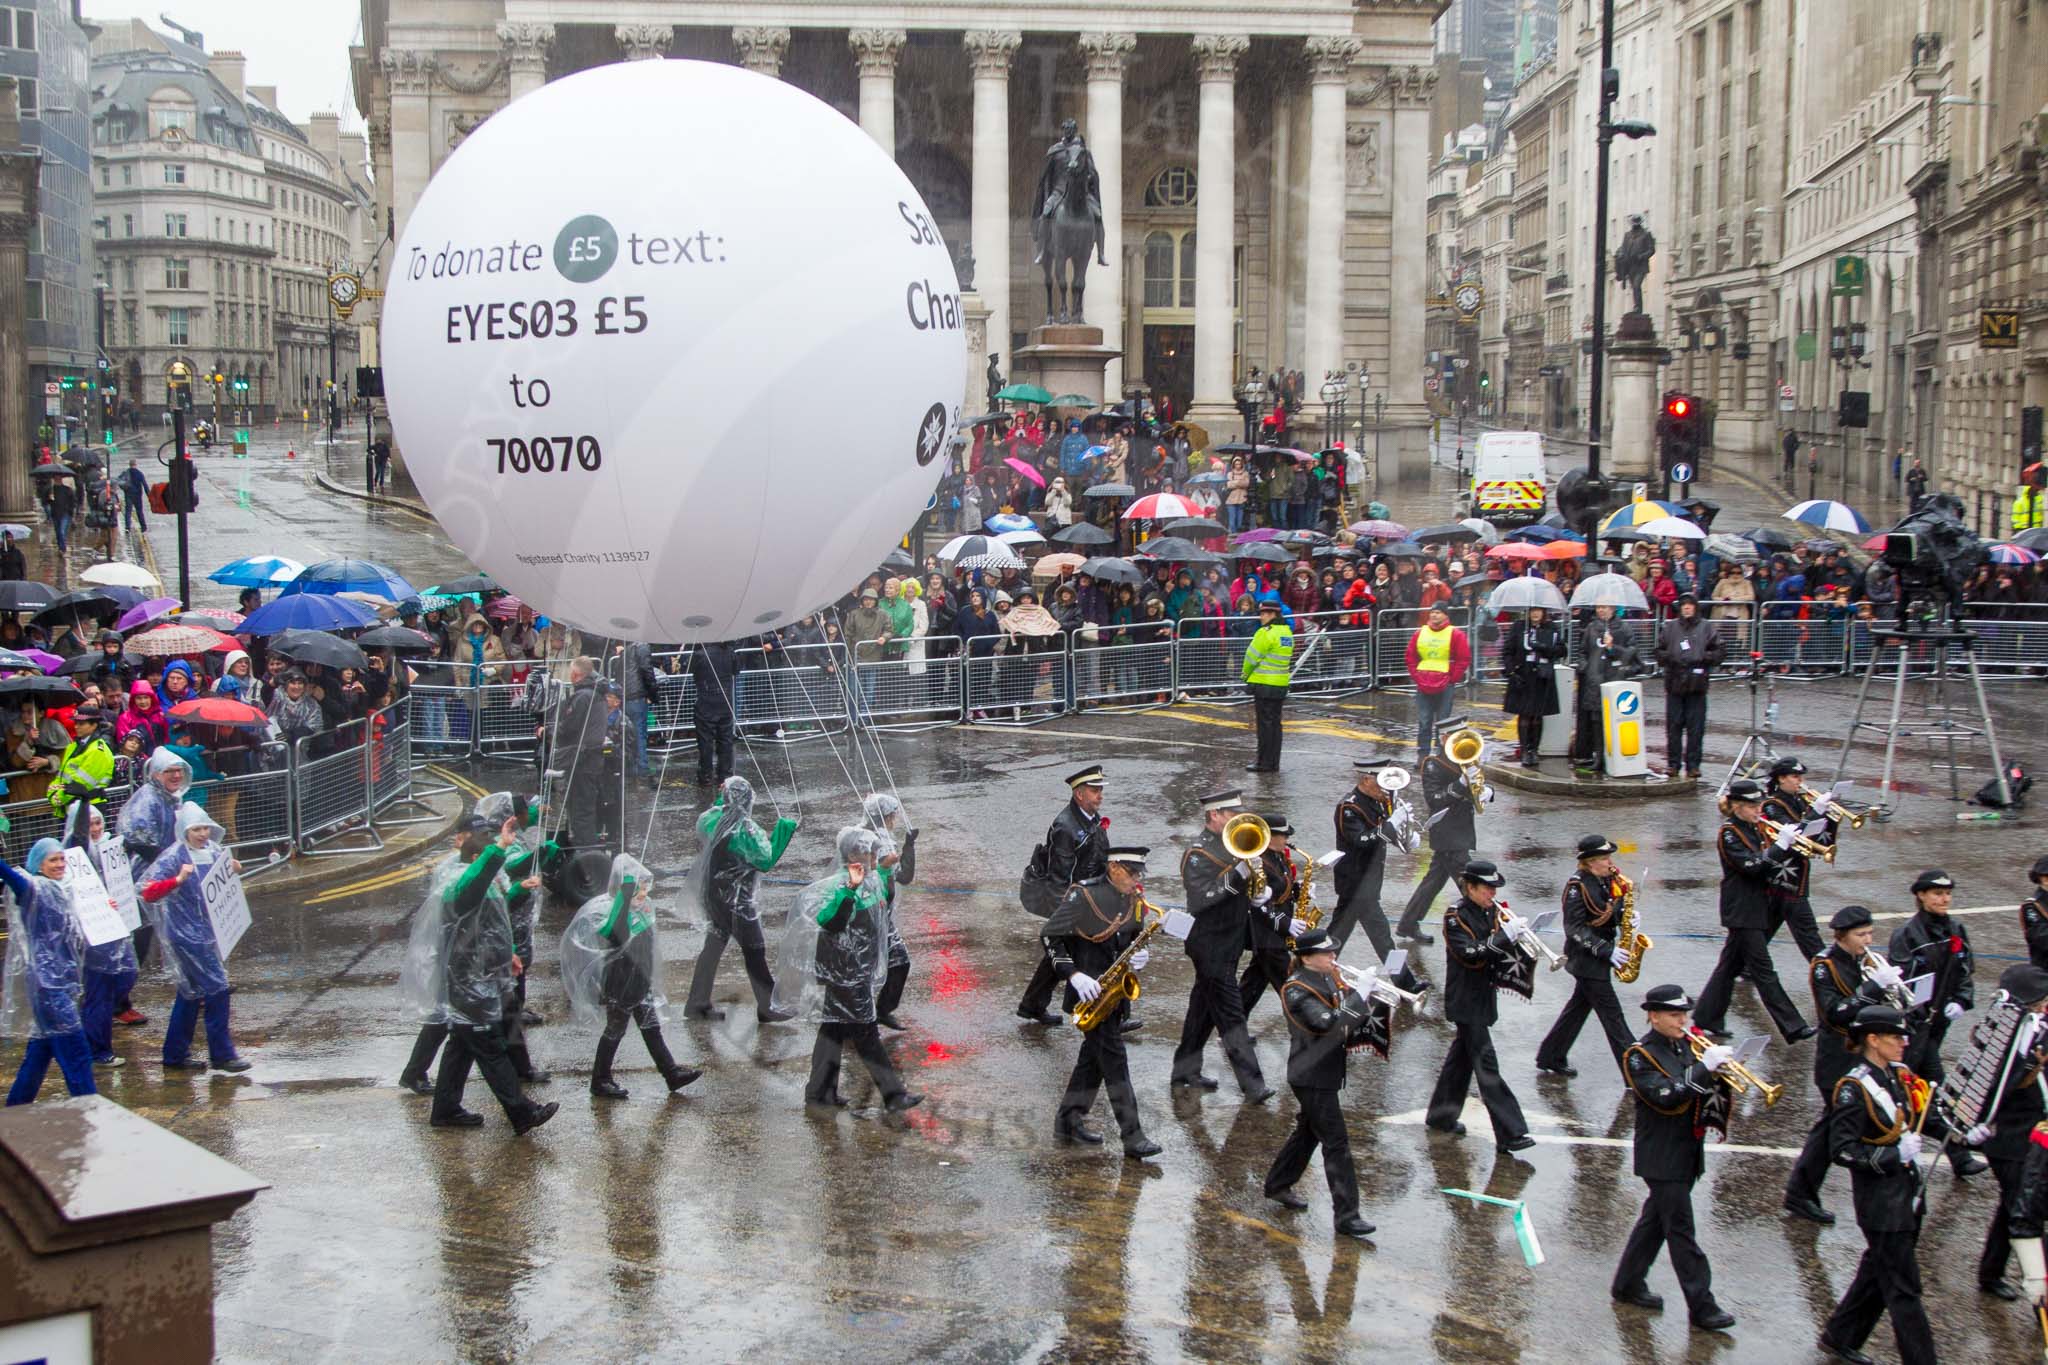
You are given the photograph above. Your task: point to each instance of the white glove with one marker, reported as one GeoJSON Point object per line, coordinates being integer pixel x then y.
{"type": "Point", "coordinates": [1786, 836]}
{"type": "Point", "coordinates": [1297, 927]}
{"type": "Point", "coordinates": [1717, 1056]}
{"type": "Point", "coordinates": [1085, 986]}
{"type": "Point", "coordinates": [1886, 977]}
{"type": "Point", "coordinates": [1140, 958]}
{"type": "Point", "coordinates": [1909, 1148]}
{"type": "Point", "coordinates": [1244, 871]}
{"type": "Point", "coordinates": [1977, 1136]}
{"type": "Point", "coordinates": [1619, 957]}
{"type": "Point", "coordinates": [1514, 926]}
{"type": "Point", "coordinates": [1265, 896]}
{"type": "Point", "coordinates": [1953, 1010]}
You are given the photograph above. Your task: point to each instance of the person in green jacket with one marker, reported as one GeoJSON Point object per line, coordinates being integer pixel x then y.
{"type": "Point", "coordinates": [736, 853]}
{"type": "Point", "coordinates": [86, 765]}
{"type": "Point", "coordinates": [1268, 664]}
{"type": "Point", "coordinates": [611, 972]}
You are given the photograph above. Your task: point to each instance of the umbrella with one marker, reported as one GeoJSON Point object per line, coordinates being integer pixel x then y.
{"type": "Point", "coordinates": [1255, 535]}
{"type": "Point", "coordinates": [1621, 535]}
{"type": "Point", "coordinates": [1770, 539]}
{"type": "Point", "coordinates": [1671, 528]}
{"type": "Point", "coordinates": [162, 642]}
{"type": "Point", "coordinates": [1027, 469]}
{"type": "Point", "coordinates": [1109, 490]}
{"type": "Point", "coordinates": [1830, 516]}
{"type": "Point", "coordinates": [1084, 533]}
{"type": "Point", "coordinates": [2036, 540]}
{"type": "Point", "coordinates": [19, 662]}
{"type": "Point", "coordinates": [304, 611]}
{"type": "Point", "coordinates": [227, 622]}
{"type": "Point", "coordinates": [1094, 452]}
{"type": "Point", "coordinates": [1070, 400]}
{"type": "Point", "coordinates": [1161, 507]}
{"type": "Point", "coordinates": [1335, 552]}
{"type": "Point", "coordinates": [1564, 549]}
{"type": "Point", "coordinates": [43, 659]}
{"type": "Point", "coordinates": [1538, 535]}
{"type": "Point", "coordinates": [898, 560]}
{"type": "Point", "coordinates": [14, 529]}
{"type": "Point", "coordinates": [1209, 476]}
{"type": "Point", "coordinates": [505, 606]}
{"type": "Point", "coordinates": [220, 711]}
{"type": "Point", "coordinates": [1519, 551]}
{"type": "Point", "coordinates": [44, 690]}
{"type": "Point", "coordinates": [350, 575]}
{"type": "Point", "coordinates": [988, 419]}
{"type": "Point", "coordinates": [1238, 448]}
{"type": "Point", "coordinates": [318, 647]}
{"type": "Point", "coordinates": [1457, 532]}
{"type": "Point", "coordinates": [1300, 456]}
{"type": "Point", "coordinates": [1010, 521]}
{"type": "Point", "coordinates": [155, 609]}
{"type": "Point", "coordinates": [1379, 530]}
{"type": "Point", "coordinates": [1195, 526]}
{"type": "Point", "coordinates": [1175, 549]}
{"type": "Point", "coordinates": [1402, 549]}
{"type": "Point", "coordinates": [1264, 553]}
{"type": "Point", "coordinates": [1198, 435]}
{"type": "Point", "coordinates": [258, 571]}
{"type": "Point", "coordinates": [1734, 549]}
{"type": "Point", "coordinates": [1025, 535]}
{"type": "Point", "coordinates": [971, 545]}
{"type": "Point", "coordinates": [1304, 540]}
{"type": "Point", "coordinates": [1487, 532]}
{"type": "Point", "coordinates": [1113, 571]}
{"type": "Point", "coordinates": [2013, 554]}
{"type": "Point", "coordinates": [1023, 393]}
{"type": "Point", "coordinates": [86, 663]}
{"type": "Point", "coordinates": [124, 598]}
{"type": "Point", "coordinates": [50, 471]}
{"type": "Point", "coordinates": [1519, 594]}
{"type": "Point", "coordinates": [1051, 566]}
{"type": "Point", "coordinates": [1473, 580]}
{"type": "Point", "coordinates": [1609, 590]}
{"type": "Point", "coordinates": [115, 573]}
{"type": "Point", "coordinates": [1819, 546]}
{"type": "Point", "coordinates": [1637, 513]}
{"type": "Point", "coordinates": [1000, 556]}
{"type": "Point", "coordinates": [469, 583]}
{"type": "Point", "coordinates": [394, 637]}
{"type": "Point", "coordinates": [91, 602]}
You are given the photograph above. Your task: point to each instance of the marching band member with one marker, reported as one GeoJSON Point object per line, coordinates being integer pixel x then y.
{"type": "Point", "coordinates": [1677, 1100]}
{"type": "Point", "coordinates": [1844, 980]}
{"type": "Point", "coordinates": [2034, 915]}
{"type": "Point", "coordinates": [1480, 955]}
{"type": "Point", "coordinates": [2020, 1109]}
{"type": "Point", "coordinates": [1592, 952]}
{"type": "Point", "coordinates": [1072, 852]}
{"type": "Point", "coordinates": [1215, 884]}
{"type": "Point", "coordinates": [1452, 841]}
{"type": "Point", "coordinates": [1750, 867]}
{"type": "Point", "coordinates": [1363, 868]}
{"type": "Point", "coordinates": [1932, 941]}
{"type": "Point", "coordinates": [1093, 925]}
{"type": "Point", "coordinates": [1273, 924]}
{"type": "Point", "coordinates": [1874, 1128]}
{"type": "Point", "coordinates": [1784, 805]}
{"type": "Point", "coordinates": [1324, 1018]}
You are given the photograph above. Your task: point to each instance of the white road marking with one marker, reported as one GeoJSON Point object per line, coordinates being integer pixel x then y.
{"type": "Point", "coordinates": [2012, 909]}
{"type": "Point", "coordinates": [1474, 1118]}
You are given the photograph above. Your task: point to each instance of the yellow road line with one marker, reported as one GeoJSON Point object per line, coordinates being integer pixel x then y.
{"type": "Point", "coordinates": [377, 883]}
{"type": "Point", "coordinates": [1326, 728]}
{"type": "Point", "coordinates": [460, 782]}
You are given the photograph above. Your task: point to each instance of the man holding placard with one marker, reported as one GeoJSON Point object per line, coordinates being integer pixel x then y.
{"type": "Point", "coordinates": [93, 866]}
{"type": "Point", "coordinates": [198, 886]}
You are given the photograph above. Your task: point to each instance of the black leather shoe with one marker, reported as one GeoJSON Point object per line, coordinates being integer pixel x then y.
{"type": "Point", "coordinates": [1517, 1144]}
{"type": "Point", "coordinates": [1800, 1034]}
{"type": "Point", "coordinates": [888, 1021]}
{"type": "Point", "coordinates": [419, 1085]}
{"type": "Point", "coordinates": [1130, 1025]}
{"type": "Point", "coordinates": [1141, 1150]}
{"type": "Point", "coordinates": [1714, 1320]}
{"type": "Point", "coordinates": [1046, 1017]}
{"type": "Point", "coordinates": [533, 1118]}
{"type": "Point", "coordinates": [2000, 1290]}
{"type": "Point", "coordinates": [189, 1064]}
{"type": "Point", "coordinates": [1454, 1128]}
{"type": "Point", "coordinates": [1810, 1210]}
{"type": "Point", "coordinates": [835, 1100]}
{"type": "Point", "coordinates": [774, 1016]}
{"type": "Point", "coordinates": [711, 1012]}
{"type": "Point", "coordinates": [1287, 1199]}
{"type": "Point", "coordinates": [1565, 1070]}
{"type": "Point", "coordinates": [1354, 1226]}
{"type": "Point", "coordinates": [531, 1018]}
{"type": "Point", "coordinates": [1200, 1082]}
{"type": "Point", "coordinates": [901, 1100]}
{"type": "Point", "coordinates": [1078, 1131]}
{"type": "Point", "coordinates": [1417, 936]}
{"type": "Point", "coordinates": [1718, 1034]}
{"type": "Point", "coordinates": [1841, 1352]}
{"type": "Point", "coordinates": [461, 1118]}
{"type": "Point", "coordinates": [537, 1076]}
{"type": "Point", "coordinates": [1969, 1163]}
{"type": "Point", "coordinates": [1640, 1298]}
{"type": "Point", "coordinates": [231, 1064]}
{"type": "Point", "coordinates": [605, 1088]}
{"type": "Point", "coordinates": [681, 1077]}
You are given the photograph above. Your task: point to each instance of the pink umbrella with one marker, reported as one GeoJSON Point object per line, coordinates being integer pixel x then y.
{"type": "Point", "coordinates": [503, 608]}
{"type": "Point", "coordinates": [1024, 467]}
{"type": "Point", "coordinates": [1379, 530]}
{"type": "Point", "coordinates": [1517, 549]}
{"type": "Point", "coordinates": [142, 613]}
{"type": "Point", "coordinates": [1161, 507]}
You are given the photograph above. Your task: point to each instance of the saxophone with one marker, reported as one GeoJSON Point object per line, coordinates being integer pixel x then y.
{"type": "Point", "coordinates": [1120, 982]}
{"type": "Point", "coordinates": [1626, 937]}
{"type": "Point", "coordinates": [1305, 910]}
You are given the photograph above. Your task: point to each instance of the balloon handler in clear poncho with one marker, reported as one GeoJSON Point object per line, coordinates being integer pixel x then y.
{"type": "Point", "coordinates": [171, 885]}
{"type": "Point", "coordinates": [611, 972]}
{"type": "Point", "coordinates": [147, 824]}
{"type": "Point", "coordinates": [459, 971]}
{"type": "Point", "coordinates": [833, 957]}
{"type": "Point", "coordinates": [110, 968]}
{"type": "Point", "coordinates": [39, 1000]}
{"type": "Point", "coordinates": [723, 881]}
{"type": "Point", "coordinates": [884, 815]}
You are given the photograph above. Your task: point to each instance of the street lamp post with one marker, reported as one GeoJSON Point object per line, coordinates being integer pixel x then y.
{"type": "Point", "coordinates": [1332, 392]}
{"type": "Point", "coordinates": [1249, 400]}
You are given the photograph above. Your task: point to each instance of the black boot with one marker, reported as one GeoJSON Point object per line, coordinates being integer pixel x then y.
{"type": "Point", "coordinates": [823, 1088]}
{"type": "Point", "coordinates": [601, 1083]}
{"type": "Point", "coordinates": [672, 1071]}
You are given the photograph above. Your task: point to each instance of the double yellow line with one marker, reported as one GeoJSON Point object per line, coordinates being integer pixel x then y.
{"type": "Point", "coordinates": [402, 875]}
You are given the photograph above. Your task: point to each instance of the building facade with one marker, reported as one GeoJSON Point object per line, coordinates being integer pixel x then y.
{"type": "Point", "coordinates": [1263, 170]}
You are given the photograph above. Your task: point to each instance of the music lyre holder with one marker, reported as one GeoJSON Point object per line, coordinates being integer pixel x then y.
{"type": "Point", "coordinates": [1757, 753]}
{"type": "Point", "coordinates": [1942, 636]}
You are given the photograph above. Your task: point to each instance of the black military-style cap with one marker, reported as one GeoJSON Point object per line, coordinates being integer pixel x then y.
{"type": "Point", "coordinates": [1595, 845]}
{"type": "Point", "coordinates": [1788, 767]}
{"type": "Point", "coordinates": [2040, 868]}
{"type": "Point", "coordinates": [1667, 998]}
{"type": "Point", "coordinates": [1745, 789]}
{"type": "Point", "coordinates": [1314, 941]}
{"type": "Point", "coordinates": [1232, 799]}
{"type": "Point", "coordinates": [1483, 871]}
{"type": "Point", "coordinates": [1878, 1019]}
{"type": "Point", "coordinates": [1277, 824]}
{"type": "Point", "coordinates": [1849, 917]}
{"type": "Point", "coordinates": [1090, 776]}
{"type": "Point", "coordinates": [1374, 764]}
{"type": "Point", "coordinates": [1933, 879]}
{"type": "Point", "coordinates": [2024, 982]}
{"type": "Point", "coordinates": [1130, 854]}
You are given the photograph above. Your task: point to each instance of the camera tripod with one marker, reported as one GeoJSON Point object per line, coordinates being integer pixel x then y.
{"type": "Point", "coordinates": [1757, 753]}
{"type": "Point", "coordinates": [1941, 723]}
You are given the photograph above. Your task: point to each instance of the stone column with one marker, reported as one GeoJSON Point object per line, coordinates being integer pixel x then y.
{"type": "Point", "coordinates": [20, 410]}
{"type": "Point", "coordinates": [762, 49]}
{"type": "Point", "coordinates": [1329, 69]}
{"type": "Point", "coordinates": [644, 42]}
{"type": "Point", "coordinates": [1405, 443]}
{"type": "Point", "coordinates": [875, 51]}
{"type": "Point", "coordinates": [408, 74]}
{"type": "Point", "coordinates": [526, 55]}
{"type": "Point", "coordinates": [1108, 54]}
{"type": "Point", "coordinates": [989, 53]}
{"type": "Point", "coordinates": [1216, 57]}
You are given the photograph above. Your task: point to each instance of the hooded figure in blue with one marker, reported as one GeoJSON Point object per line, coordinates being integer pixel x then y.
{"type": "Point", "coordinates": [147, 824]}
{"type": "Point", "coordinates": [40, 998]}
{"type": "Point", "coordinates": [110, 968]}
{"type": "Point", "coordinates": [172, 885]}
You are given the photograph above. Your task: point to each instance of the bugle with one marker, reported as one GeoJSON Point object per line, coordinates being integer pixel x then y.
{"type": "Point", "coordinates": [1527, 940]}
{"type": "Point", "coordinates": [1831, 809]}
{"type": "Point", "coordinates": [1801, 844]}
{"type": "Point", "coordinates": [1739, 1077]}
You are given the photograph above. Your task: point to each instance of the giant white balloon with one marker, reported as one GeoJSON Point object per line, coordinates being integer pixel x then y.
{"type": "Point", "coordinates": [673, 350]}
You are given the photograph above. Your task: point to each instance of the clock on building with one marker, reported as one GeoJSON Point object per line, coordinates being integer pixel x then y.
{"type": "Point", "coordinates": [1468, 297]}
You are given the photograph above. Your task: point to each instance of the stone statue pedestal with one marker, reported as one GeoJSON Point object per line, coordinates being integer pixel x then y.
{"type": "Point", "coordinates": [974, 315]}
{"type": "Point", "coordinates": [1064, 358]}
{"type": "Point", "coordinates": [1632, 361]}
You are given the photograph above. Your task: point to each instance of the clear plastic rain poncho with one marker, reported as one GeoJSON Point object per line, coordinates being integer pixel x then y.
{"type": "Point", "coordinates": [611, 958]}
{"type": "Point", "coordinates": [736, 852]}
{"type": "Point", "coordinates": [187, 928]}
{"type": "Point", "coordinates": [458, 957]}
{"type": "Point", "coordinates": [107, 959]}
{"type": "Point", "coordinates": [886, 818]}
{"type": "Point", "coordinates": [831, 975]}
{"type": "Point", "coordinates": [521, 905]}
{"type": "Point", "coordinates": [149, 820]}
{"type": "Point", "coordinates": [39, 996]}
{"type": "Point", "coordinates": [422, 977]}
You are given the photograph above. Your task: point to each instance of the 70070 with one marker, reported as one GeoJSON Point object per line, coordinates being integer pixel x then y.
{"type": "Point", "coordinates": [543, 454]}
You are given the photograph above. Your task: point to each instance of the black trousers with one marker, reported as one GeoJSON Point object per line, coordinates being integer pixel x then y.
{"type": "Point", "coordinates": [1529, 733]}
{"type": "Point", "coordinates": [1444, 864]}
{"type": "Point", "coordinates": [759, 975]}
{"type": "Point", "coordinates": [586, 781]}
{"type": "Point", "coordinates": [1746, 953]}
{"type": "Point", "coordinates": [1038, 994]}
{"type": "Point", "coordinates": [1590, 995]}
{"type": "Point", "coordinates": [423, 1049]}
{"type": "Point", "coordinates": [1104, 1064]}
{"type": "Point", "coordinates": [1666, 1221]}
{"type": "Point", "coordinates": [1268, 967]}
{"type": "Point", "coordinates": [1797, 912]}
{"type": "Point", "coordinates": [891, 994]}
{"type": "Point", "coordinates": [1997, 1241]}
{"type": "Point", "coordinates": [1318, 1122]}
{"type": "Point", "coordinates": [1810, 1171]}
{"type": "Point", "coordinates": [1685, 729]}
{"type": "Point", "coordinates": [1472, 1058]}
{"type": "Point", "coordinates": [830, 1049]}
{"type": "Point", "coordinates": [1214, 1006]}
{"type": "Point", "coordinates": [1589, 740]}
{"type": "Point", "coordinates": [1267, 701]}
{"type": "Point", "coordinates": [484, 1046]}
{"type": "Point", "coordinates": [649, 1020]}
{"type": "Point", "coordinates": [1887, 1280]}
{"type": "Point", "coordinates": [714, 747]}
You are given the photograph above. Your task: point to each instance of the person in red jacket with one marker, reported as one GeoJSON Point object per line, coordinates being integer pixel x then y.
{"type": "Point", "coordinates": [1660, 587]}
{"type": "Point", "coordinates": [1301, 594]}
{"type": "Point", "coordinates": [1439, 657]}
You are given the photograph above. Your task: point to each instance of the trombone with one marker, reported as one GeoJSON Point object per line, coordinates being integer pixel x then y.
{"type": "Point", "coordinates": [1740, 1078]}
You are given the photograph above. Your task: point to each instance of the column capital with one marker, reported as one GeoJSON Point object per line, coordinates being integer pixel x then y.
{"type": "Point", "coordinates": [761, 49]}
{"type": "Point", "coordinates": [407, 72]}
{"type": "Point", "coordinates": [989, 51]}
{"type": "Point", "coordinates": [1329, 59]}
{"type": "Point", "coordinates": [875, 50]}
{"type": "Point", "coordinates": [1108, 54]}
{"type": "Point", "coordinates": [1216, 55]}
{"type": "Point", "coordinates": [1410, 87]}
{"type": "Point", "coordinates": [644, 42]}
{"type": "Point", "coordinates": [526, 45]}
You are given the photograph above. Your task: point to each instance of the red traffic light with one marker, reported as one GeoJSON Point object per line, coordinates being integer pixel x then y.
{"type": "Point", "coordinates": [1677, 407]}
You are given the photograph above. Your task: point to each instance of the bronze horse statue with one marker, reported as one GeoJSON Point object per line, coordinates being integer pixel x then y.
{"type": "Point", "coordinates": [1068, 236]}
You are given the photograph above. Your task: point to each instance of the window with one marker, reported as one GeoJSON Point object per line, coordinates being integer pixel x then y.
{"type": "Point", "coordinates": [1172, 188]}
{"type": "Point", "coordinates": [31, 106]}
{"type": "Point", "coordinates": [178, 326]}
{"type": "Point", "coordinates": [127, 225]}
{"type": "Point", "coordinates": [25, 30]}
{"type": "Point", "coordinates": [127, 176]}
{"type": "Point", "coordinates": [174, 172]}
{"type": "Point", "coordinates": [1727, 108]}
{"type": "Point", "coordinates": [174, 225]}
{"type": "Point", "coordinates": [1187, 270]}
{"type": "Point", "coordinates": [106, 177]}
{"type": "Point", "coordinates": [1753, 21]}
{"type": "Point", "coordinates": [171, 118]}
{"type": "Point", "coordinates": [1159, 257]}
{"type": "Point", "coordinates": [128, 323]}
{"type": "Point", "coordinates": [35, 300]}
{"type": "Point", "coordinates": [177, 272]}
{"type": "Point", "coordinates": [128, 274]}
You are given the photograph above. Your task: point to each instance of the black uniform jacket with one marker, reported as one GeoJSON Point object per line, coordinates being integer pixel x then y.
{"type": "Point", "coordinates": [1750, 866]}
{"type": "Point", "coordinates": [2034, 924]}
{"type": "Point", "coordinates": [1093, 924]}
{"type": "Point", "coordinates": [1216, 899]}
{"type": "Point", "coordinates": [1839, 992]}
{"type": "Point", "coordinates": [1444, 789]}
{"type": "Point", "coordinates": [1669, 1087]}
{"type": "Point", "coordinates": [1781, 808]}
{"type": "Point", "coordinates": [1472, 948]}
{"type": "Point", "coordinates": [1269, 922]}
{"type": "Point", "coordinates": [1076, 848]}
{"type": "Point", "coordinates": [1592, 923]}
{"type": "Point", "coordinates": [1927, 943]}
{"type": "Point", "coordinates": [1358, 837]}
{"type": "Point", "coordinates": [1866, 1118]}
{"type": "Point", "coordinates": [1322, 1016]}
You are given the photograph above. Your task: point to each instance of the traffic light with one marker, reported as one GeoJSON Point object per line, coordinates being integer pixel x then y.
{"type": "Point", "coordinates": [1681, 432]}
{"type": "Point", "coordinates": [219, 378]}
{"type": "Point", "coordinates": [178, 487]}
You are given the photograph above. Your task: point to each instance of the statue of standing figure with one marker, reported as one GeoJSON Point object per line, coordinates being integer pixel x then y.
{"type": "Point", "coordinates": [1632, 258]}
{"type": "Point", "coordinates": [1066, 223]}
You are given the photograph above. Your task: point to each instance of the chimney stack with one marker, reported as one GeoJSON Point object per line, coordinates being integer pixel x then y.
{"type": "Point", "coordinates": [230, 69]}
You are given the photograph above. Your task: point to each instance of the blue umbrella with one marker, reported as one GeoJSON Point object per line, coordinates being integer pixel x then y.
{"type": "Point", "coordinates": [1210, 476]}
{"type": "Point", "coordinates": [1010, 521]}
{"type": "Point", "coordinates": [1832, 516]}
{"type": "Point", "coordinates": [350, 575]}
{"type": "Point", "coordinates": [1540, 535]}
{"type": "Point", "coordinates": [306, 611]}
{"type": "Point", "coordinates": [258, 571]}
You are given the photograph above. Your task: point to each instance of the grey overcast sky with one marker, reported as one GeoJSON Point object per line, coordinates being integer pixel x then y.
{"type": "Point", "coordinates": [299, 46]}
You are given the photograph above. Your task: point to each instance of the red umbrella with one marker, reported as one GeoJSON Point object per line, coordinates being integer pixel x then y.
{"type": "Point", "coordinates": [1161, 507]}
{"type": "Point", "coordinates": [219, 711]}
{"type": "Point", "coordinates": [1024, 467]}
{"type": "Point", "coordinates": [1518, 550]}
{"type": "Point", "coordinates": [1563, 549]}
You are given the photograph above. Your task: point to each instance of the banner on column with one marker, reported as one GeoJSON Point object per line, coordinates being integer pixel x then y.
{"type": "Point", "coordinates": [226, 904]}
{"type": "Point", "coordinates": [120, 883]}
{"type": "Point", "coordinates": [93, 908]}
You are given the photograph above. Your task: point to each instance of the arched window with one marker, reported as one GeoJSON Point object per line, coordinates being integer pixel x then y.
{"type": "Point", "coordinates": [1172, 188]}
{"type": "Point", "coordinates": [1159, 262]}
{"type": "Point", "coordinates": [1187, 269]}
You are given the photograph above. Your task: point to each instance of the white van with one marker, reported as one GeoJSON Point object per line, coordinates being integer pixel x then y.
{"type": "Point", "coordinates": [1508, 482]}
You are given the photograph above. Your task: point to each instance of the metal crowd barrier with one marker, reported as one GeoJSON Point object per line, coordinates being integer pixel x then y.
{"type": "Point", "coordinates": [28, 821]}
{"type": "Point", "coordinates": [1208, 655]}
{"type": "Point", "coordinates": [911, 694]}
{"type": "Point", "coordinates": [1331, 657]}
{"type": "Point", "coordinates": [1133, 676]}
{"type": "Point", "coordinates": [1020, 686]}
{"type": "Point", "coordinates": [1394, 627]}
{"type": "Point", "coordinates": [330, 788]}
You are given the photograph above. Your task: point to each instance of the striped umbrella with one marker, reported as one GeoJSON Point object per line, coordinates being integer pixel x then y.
{"type": "Point", "coordinates": [1636, 513]}
{"type": "Point", "coordinates": [1379, 529]}
{"type": "Point", "coordinates": [1161, 507]}
{"type": "Point", "coordinates": [2013, 554]}
{"type": "Point", "coordinates": [1830, 516]}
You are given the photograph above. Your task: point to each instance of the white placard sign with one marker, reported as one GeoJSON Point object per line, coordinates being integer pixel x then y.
{"type": "Point", "coordinates": [90, 904]}
{"type": "Point", "coordinates": [120, 882]}
{"type": "Point", "coordinates": [220, 889]}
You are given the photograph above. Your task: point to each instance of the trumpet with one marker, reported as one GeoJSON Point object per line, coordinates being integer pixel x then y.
{"type": "Point", "coordinates": [1464, 747]}
{"type": "Point", "coordinates": [1801, 844]}
{"type": "Point", "coordinates": [1740, 1078]}
{"type": "Point", "coordinates": [1528, 942]}
{"type": "Point", "coordinates": [1120, 982]}
{"type": "Point", "coordinates": [1833, 810]}
{"type": "Point", "coordinates": [1370, 983]}
{"type": "Point", "coordinates": [1899, 997]}
{"type": "Point", "coordinates": [1246, 836]}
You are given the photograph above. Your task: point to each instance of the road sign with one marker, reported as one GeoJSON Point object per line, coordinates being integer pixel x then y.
{"type": "Point", "coordinates": [1681, 473]}
{"type": "Point", "coordinates": [50, 389]}
{"type": "Point", "coordinates": [1431, 383]}
{"type": "Point", "coordinates": [1786, 392]}
{"type": "Point", "coordinates": [106, 364]}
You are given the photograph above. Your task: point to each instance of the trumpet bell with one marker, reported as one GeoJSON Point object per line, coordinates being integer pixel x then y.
{"type": "Point", "coordinates": [1246, 836]}
{"type": "Point", "coordinates": [1463, 746]}
{"type": "Point", "coordinates": [1393, 779]}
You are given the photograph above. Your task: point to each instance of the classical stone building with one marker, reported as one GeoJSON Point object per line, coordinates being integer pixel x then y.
{"type": "Point", "coordinates": [1263, 167]}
